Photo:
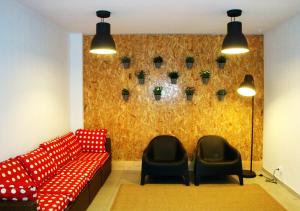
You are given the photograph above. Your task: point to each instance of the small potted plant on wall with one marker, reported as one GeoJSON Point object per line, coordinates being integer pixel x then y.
{"type": "Point", "coordinates": [173, 76]}
{"type": "Point", "coordinates": [189, 61]}
{"type": "Point", "coordinates": [221, 61]}
{"type": "Point", "coordinates": [158, 61]}
{"type": "Point", "coordinates": [205, 75]}
{"type": "Point", "coordinates": [125, 94]}
{"type": "Point", "coordinates": [126, 62]}
{"type": "Point", "coordinates": [189, 91]}
{"type": "Point", "coordinates": [141, 76]}
{"type": "Point", "coordinates": [157, 92]}
{"type": "Point", "coordinates": [221, 94]}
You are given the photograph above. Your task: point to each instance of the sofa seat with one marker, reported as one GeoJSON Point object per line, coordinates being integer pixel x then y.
{"type": "Point", "coordinates": [63, 184]}
{"type": "Point", "coordinates": [82, 167]}
{"type": "Point", "coordinates": [47, 202]}
{"type": "Point", "coordinates": [101, 157]}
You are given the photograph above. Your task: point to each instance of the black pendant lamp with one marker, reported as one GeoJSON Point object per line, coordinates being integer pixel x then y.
{"type": "Point", "coordinates": [103, 42]}
{"type": "Point", "coordinates": [235, 41]}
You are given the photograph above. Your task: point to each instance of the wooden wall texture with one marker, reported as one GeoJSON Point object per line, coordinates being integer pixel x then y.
{"type": "Point", "coordinates": [131, 125]}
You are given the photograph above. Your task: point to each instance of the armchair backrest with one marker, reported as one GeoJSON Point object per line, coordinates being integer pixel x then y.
{"type": "Point", "coordinates": [212, 148]}
{"type": "Point", "coordinates": [164, 148]}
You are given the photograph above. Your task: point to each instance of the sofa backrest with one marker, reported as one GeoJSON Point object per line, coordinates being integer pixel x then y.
{"type": "Point", "coordinates": [72, 144]}
{"type": "Point", "coordinates": [57, 150]}
{"type": "Point", "coordinates": [12, 171]}
{"type": "Point", "coordinates": [92, 140]}
{"type": "Point", "coordinates": [39, 165]}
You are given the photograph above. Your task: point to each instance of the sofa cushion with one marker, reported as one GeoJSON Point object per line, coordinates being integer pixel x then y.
{"type": "Point", "coordinates": [39, 165]}
{"type": "Point", "coordinates": [64, 184]}
{"type": "Point", "coordinates": [11, 170]}
{"type": "Point", "coordinates": [92, 140]}
{"type": "Point", "coordinates": [50, 202]}
{"type": "Point", "coordinates": [72, 145]}
{"type": "Point", "coordinates": [83, 167]}
{"type": "Point", "coordinates": [18, 191]}
{"type": "Point", "coordinates": [57, 150]}
{"type": "Point", "coordinates": [100, 157]}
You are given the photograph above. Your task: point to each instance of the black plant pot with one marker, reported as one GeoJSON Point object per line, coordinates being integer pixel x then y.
{"type": "Point", "coordinates": [141, 80]}
{"type": "Point", "coordinates": [157, 97]}
{"type": "Point", "coordinates": [205, 80]}
{"type": "Point", "coordinates": [157, 64]}
{"type": "Point", "coordinates": [189, 97]}
{"type": "Point", "coordinates": [189, 65]}
{"type": "Point", "coordinates": [221, 65]}
{"type": "Point", "coordinates": [125, 97]}
{"type": "Point", "coordinates": [221, 97]}
{"type": "Point", "coordinates": [126, 65]}
{"type": "Point", "coordinates": [173, 80]}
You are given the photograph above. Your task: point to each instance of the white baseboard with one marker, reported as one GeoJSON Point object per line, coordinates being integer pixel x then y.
{"type": "Point", "coordinates": [270, 175]}
{"type": "Point", "coordinates": [136, 165]}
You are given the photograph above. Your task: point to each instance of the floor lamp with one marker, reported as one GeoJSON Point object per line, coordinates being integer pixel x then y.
{"type": "Point", "coordinates": [247, 89]}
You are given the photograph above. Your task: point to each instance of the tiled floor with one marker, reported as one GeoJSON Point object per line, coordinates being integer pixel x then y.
{"type": "Point", "coordinates": [107, 193]}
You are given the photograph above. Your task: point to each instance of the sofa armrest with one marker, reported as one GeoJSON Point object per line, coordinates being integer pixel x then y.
{"type": "Point", "coordinates": [18, 205]}
{"type": "Point", "coordinates": [108, 145]}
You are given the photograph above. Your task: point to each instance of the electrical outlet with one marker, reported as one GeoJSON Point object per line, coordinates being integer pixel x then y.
{"type": "Point", "coordinates": [279, 171]}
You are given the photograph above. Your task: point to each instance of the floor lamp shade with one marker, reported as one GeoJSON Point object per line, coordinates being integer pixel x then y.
{"type": "Point", "coordinates": [247, 87]}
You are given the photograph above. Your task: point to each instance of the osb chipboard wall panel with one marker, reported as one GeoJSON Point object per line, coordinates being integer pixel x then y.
{"type": "Point", "coordinates": [131, 125]}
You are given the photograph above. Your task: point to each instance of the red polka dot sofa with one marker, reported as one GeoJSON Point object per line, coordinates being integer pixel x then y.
{"type": "Point", "coordinates": [62, 174]}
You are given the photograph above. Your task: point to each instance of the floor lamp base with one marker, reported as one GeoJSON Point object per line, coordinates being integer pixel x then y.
{"type": "Point", "coordinates": [248, 174]}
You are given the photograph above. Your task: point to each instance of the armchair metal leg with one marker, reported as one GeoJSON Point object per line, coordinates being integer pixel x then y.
{"type": "Point", "coordinates": [196, 180]}
{"type": "Point", "coordinates": [143, 178]}
{"type": "Point", "coordinates": [186, 178]}
{"type": "Point", "coordinates": [241, 179]}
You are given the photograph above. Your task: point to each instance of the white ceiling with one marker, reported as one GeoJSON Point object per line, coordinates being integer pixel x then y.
{"type": "Point", "coordinates": [166, 16]}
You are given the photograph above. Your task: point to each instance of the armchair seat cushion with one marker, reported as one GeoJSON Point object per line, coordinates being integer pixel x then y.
{"type": "Point", "coordinates": [219, 163]}
{"type": "Point", "coordinates": [100, 157]}
{"type": "Point", "coordinates": [86, 168]}
{"type": "Point", "coordinates": [64, 184]}
{"type": "Point", "coordinates": [52, 202]}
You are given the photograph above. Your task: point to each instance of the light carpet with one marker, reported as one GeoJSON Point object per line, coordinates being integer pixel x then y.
{"type": "Point", "coordinates": [159, 197]}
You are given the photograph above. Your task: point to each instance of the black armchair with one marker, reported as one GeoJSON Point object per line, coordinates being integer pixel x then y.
{"type": "Point", "coordinates": [165, 156]}
{"type": "Point", "coordinates": [215, 156]}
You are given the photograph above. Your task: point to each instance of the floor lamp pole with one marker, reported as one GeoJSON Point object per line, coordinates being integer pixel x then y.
{"type": "Point", "coordinates": [250, 173]}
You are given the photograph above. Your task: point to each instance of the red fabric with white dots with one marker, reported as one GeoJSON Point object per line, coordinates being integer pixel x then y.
{"type": "Point", "coordinates": [100, 157]}
{"type": "Point", "coordinates": [50, 202]}
{"type": "Point", "coordinates": [20, 191]}
{"type": "Point", "coordinates": [86, 168]}
{"type": "Point", "coordinates": [11, 170]}
{"type": "Point", "coordinates": [39, 165]}
{"type": "Point", "coordinates": [57, 150]}
{"type": "Point", "coordinates": [72, 144]}
{"type": "Point", "coordinates": [92, 140]}
{"type": "Point", "coordinates": [68, 185]}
